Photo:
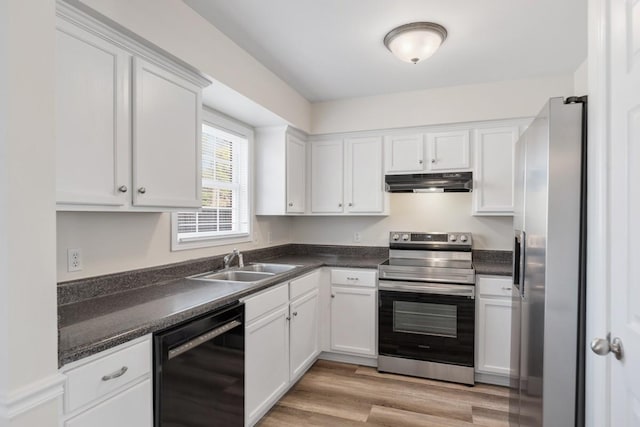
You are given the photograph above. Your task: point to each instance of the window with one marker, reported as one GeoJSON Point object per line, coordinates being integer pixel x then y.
{"type": "Point", "coordinates": [225, 214]}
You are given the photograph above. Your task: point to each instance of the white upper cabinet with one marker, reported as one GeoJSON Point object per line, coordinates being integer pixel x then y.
{"type": "Point", "coordinates": [448, 151]}
{"type": "Point", "coordinates": [494, 151]}
{"type": "Point", "coordinates": [346, 176]}
{"type": "Point", "coordinates": [280, 171]}
{"type": "Point", "coordinates": [327, 176]}
{"type": "Point", "coordinates": [364, 186]}
{"type": "Point", "coordinates": [166, 138]}
{"type": "Point", "coordinates": [92, 119]}
{"type": "Point", "coordinates": [108, 89]}
{"type": "Point", "coordinates": [404, 153]}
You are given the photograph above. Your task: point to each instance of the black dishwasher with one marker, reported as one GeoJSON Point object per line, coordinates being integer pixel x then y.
{"type": "Point", "coordinates": [199, 371]}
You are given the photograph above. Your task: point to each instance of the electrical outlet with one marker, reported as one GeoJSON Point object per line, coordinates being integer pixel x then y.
{"type": "Point", "coordinates": [357, 237]}
{"type": "Point", "coordinates": [74, 259]}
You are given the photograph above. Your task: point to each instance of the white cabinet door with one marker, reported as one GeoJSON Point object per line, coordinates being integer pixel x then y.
{"type": "Point", "coordinates": [296, 159]}
{"type": "Point", "coordinates": [404, 153]}
{"type": "Point", "coordinates": [448, 151]}
{"type": "Point", "coordinates": [494, 151]}
{"type": "Point", "coordinates": [166, 138]}
{"type": "Point", "coordinates": [304, 338]}
{"type": "Point", "coordinates": [92, 120]}
{"type": "Point", "coordinates": [364, 192]}
{"type": "Point", "coordinates": [353, 320]}
{"type": "Point", "coordinates": [266, 362]}
{"type": "Point", "coordinates": [494, 336]}
{"type": "Point", "coordinates": [130, 408]}
{"type": "Point", "coordinates": [327, 176]}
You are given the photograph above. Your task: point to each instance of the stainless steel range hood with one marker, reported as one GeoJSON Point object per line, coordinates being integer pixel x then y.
{"type": "Point", "coordinates": [459, 182]}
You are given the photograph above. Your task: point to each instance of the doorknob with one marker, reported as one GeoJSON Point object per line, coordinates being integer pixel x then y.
{"type": "Point", "coordinates": [602, 347]}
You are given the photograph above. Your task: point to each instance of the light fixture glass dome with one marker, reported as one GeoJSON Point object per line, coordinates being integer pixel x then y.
{"type": "Point", "coordinates": [416, 41]}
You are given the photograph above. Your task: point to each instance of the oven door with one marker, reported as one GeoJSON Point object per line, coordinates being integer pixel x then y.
{"type": "Point", "coordinates": [427, 321]}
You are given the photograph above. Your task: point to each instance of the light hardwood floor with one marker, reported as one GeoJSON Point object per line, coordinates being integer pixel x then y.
{"type": "Point", "coordinates": [338, 394]}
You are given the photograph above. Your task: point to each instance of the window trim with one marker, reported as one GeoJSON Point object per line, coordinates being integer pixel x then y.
{"type": "Point", "coordinates": [234, 127]}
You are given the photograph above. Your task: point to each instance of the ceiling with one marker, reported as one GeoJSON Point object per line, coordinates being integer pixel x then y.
{"type": "Point", "coordinates": [332, 49]}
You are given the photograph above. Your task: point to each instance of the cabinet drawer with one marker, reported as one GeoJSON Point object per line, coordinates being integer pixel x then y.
{"type": "Point", "coordinates": [354, 277]}
{"type": "Point", "coordinates": [265, 302]}
{"type": "Point", "coordinates": [95, 379]}
{"type": "Point", "coordinates": [493, 286]}
{"type": "Point", "coordinates": [304, 284]}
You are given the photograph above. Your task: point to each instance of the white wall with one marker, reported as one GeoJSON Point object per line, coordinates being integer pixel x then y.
{"type": "Point", "coordinates": [115, 241]}
{"type": "Point", "coordinates": [478, 102]}
{"type": "Point", "coordinates": [178, 29]}
{"type": "Point", "coordinates": [409, 212]}
{"type": "Point", "coordinates": [28, 315]}
{"type": "Point", "coordinates": [581, 79]}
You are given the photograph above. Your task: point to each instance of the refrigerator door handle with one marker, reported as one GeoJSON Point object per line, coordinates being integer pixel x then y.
{"type": "Point", "coordinates": [523, 255]}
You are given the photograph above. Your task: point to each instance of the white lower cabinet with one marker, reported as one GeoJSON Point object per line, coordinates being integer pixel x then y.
{"type": "Point", "coordinates": [281, 341]}
{"type": "Point", "coordinates": [353, 312]}
{"type": "Point", "coordinates": [493, 329]}
{"type": "Point", "coordinates": [111, 388]}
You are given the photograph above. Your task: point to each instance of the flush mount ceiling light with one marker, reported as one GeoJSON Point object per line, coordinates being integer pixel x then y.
{"type": "Point", "coordinates": [416, 41]}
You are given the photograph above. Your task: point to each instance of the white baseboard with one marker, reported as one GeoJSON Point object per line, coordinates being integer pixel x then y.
{"type": "Point", "coordinates": [348, 358]}
{"type": "Point", "coordinates": [25, 398]}
{"type": "Point", "coordinates": [494, 379]}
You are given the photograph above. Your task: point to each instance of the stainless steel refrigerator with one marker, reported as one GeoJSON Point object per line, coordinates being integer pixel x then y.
{"type": "Point", "coordinates": [547, 342]}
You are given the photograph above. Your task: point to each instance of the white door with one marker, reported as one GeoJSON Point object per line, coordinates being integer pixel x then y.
{"type": "Point", "coordinates": [327, 170]}
{"type": "Point", "coordinates": [448, 151]}
{"type": "Point", "coordinates": [353, 320]}
{"type": "Point", "coordinates": [404, 153]}
{"type": "Point", "coordinates": [93, 163]}
{"type": "Point", "coordinates": [364, 192]}
{"type": "Point", "coordinates": [304, 337]}
{"type": "Point", "coordinates": [266, 362]}
{"type": "Point", "coordinates": [166, 138]}
{"type": "Point", "coordinates": [624, 208]}
{"type": "Point", "coordinates": [296, 160]}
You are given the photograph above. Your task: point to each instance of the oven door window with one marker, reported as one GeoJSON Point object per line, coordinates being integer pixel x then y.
{"type": "Point", "coordinates": [425, 318]}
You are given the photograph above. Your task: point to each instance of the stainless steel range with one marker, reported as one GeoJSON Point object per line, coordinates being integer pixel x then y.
{"type": "Point", "coordinates": [426, 310]}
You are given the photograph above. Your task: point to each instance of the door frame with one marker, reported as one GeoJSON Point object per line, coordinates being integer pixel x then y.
{"type": "Point", "coordinates": [598, 376]}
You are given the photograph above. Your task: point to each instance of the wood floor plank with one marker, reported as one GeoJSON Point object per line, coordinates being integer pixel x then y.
{"type": "Point", "coordinates": [383, 416]}
{"type": "Point", "coordinates": [337, 394]}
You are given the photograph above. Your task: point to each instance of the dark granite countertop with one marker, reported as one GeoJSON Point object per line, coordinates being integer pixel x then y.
{"type": "Point", "coordinates": [497, 263]}
{"type": "Point", "coordinates": [90, 323]}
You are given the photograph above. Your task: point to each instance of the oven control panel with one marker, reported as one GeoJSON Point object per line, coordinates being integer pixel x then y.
{"type": "Point", "coordinates": [439, 239]}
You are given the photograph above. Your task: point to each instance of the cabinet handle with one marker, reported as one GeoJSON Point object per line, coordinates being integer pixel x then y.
{"type": "Point", "coordinates": [433, 160]}
{"type": "Point", "coordinates": [120, 372]}
{"type": "Point", "coordinates": [290, 203]}
{"type": "Point", "coordinates": [350, 204]}
{"type": "Point", "coordinates": [295, 313]}
{"type": "Point", "coordinates": [288, 318]}
{"type": "Point", "coordinates": [333, 296]}
{"type": "Point", "coordinates": [352, 278]}
{"type": "Point", "coordinates": [123, 189]}
{"type": "Point", "coordinates": [504, 288]}
{"type": "Point", "coordinates": [142, 190]}
{"type": "Point", "coordinates": [420, 161]}
{"type": "Point", "coordinates": [339, 205]}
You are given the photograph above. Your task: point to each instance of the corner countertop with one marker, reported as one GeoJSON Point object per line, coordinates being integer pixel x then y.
{"type": "Point", "coordinates": [95, 324]}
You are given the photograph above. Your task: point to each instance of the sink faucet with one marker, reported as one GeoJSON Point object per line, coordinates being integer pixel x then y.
{"type": "Point", "coordinates": [228, 258]}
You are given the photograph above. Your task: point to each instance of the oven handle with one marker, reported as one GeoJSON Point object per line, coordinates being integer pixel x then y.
{"type": "Point", "coordinates": [428, 288]}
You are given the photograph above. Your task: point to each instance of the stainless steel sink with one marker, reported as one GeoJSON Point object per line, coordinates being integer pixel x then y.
{"type": "Point", "coordinates": [235, 276]}
{"type": "Point", "coordinates": [269, 268]}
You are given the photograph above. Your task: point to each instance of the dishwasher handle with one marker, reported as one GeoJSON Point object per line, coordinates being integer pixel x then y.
{"type": "Point", "coordinates": [208, 336]}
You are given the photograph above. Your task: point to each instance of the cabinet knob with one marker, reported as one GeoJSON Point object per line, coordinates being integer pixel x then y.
{"type": "Point", "coordinates": [420, 161]}
{"type": "Point", "coordinates": [290, 203]}
{"type": "Point", "coordinates": [333, 296]}
{"type": "Point", "coordinates": [350, 204]}
{"type": "Point", "coordinates": [339, 205]}
{"type": "Point", "coordinates": [295, 313]}
{"type": "Point", "coordinates": [142, 190]}
{"type": "Point", "coordinates": [433, 160]}
{"type": "Point", "coordinates": [123, 189]}
{"type": "Point", "coordinates": [288, 318]}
